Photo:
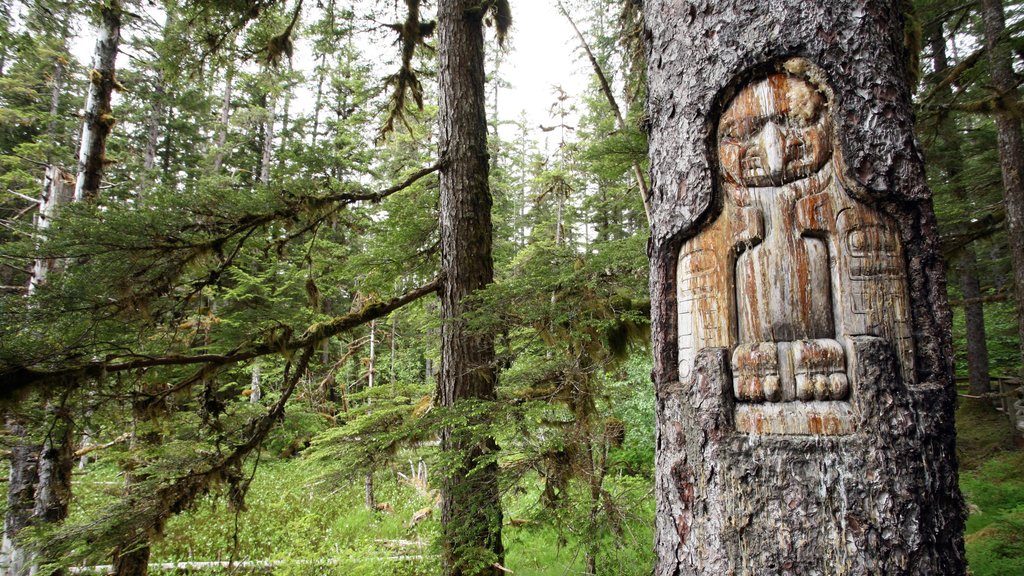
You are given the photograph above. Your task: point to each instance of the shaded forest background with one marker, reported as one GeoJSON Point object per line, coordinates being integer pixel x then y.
{"type": "Point", "coordinates": [227, 349]}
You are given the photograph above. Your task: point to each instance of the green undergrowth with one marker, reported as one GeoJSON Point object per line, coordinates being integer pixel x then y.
{"type": "Point", "coordinates": [995, 528]}
{"type": "Point", "coordinates": [991, 479]}
{"type": "Point", "coordinates": [307, 527]}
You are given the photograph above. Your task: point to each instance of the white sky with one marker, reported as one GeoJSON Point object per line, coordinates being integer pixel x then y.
{"type": "Point", "coordinates": [543, 53]}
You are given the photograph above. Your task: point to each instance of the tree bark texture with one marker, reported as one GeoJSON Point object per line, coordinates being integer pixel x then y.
{"type": "Point", "coordinates": [57, 191]}
{"type": "Point", "coordinates": [1011, 142]}
{"type": "Point", "coordinates": [24, 474]}
{"type": "Point", "coordinates": [471, 508]}
{"type": "Point", "coordinates": [99, 119]}
{"type": "Point", "coordinates": [873, 490]}
{"type": "Point", "coordinates": [56, 462]}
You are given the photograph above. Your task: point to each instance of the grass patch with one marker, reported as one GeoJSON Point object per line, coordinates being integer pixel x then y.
{"type": "Point", "coordinates": [995, 529]}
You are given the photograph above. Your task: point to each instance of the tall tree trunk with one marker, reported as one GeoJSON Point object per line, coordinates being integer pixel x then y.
{"type": "Point", "coordinates": [970, 285]}
{"type": "Point", "coordinates": [268, 140]}
{"type": "Point", "coordinates": [156, 114]}
{"type": "Point", "coordinates": [24, 475]}
{"type": "Point", "coordinates": [470, 502]}
{"type": "Point", "coordinates": [370, 501]}
{"type": "Point", "coordinates": [131, 558]}
{"type": "Point", "coordinates": [56, 461]}
{"type": "Point", "coordinates": [800, 323]}
{"type": "Point", "coordinates": [225, 118]}
{"type": "Point", "coordinates": [1011, 142]}
{"type": "Point", "coordinates": [99, 118]}
{"type": "Point", "coordinates": [57, 191]}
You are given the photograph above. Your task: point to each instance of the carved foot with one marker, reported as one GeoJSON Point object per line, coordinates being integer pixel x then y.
{"type": "Point", "coordinates": [819, 367]}
{"type": "Point", "coordinates": [755, 370]}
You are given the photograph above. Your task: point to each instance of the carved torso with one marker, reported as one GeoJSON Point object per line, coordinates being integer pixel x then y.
{"type": "Point", "coordinates": [791, 267]}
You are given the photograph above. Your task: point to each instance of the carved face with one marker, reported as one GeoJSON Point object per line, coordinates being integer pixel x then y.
{"type": "Point", "coordinates": [775, 131]}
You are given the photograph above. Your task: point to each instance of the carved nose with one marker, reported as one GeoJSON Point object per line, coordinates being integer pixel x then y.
{"type": "Point", "coordinates": [773, 147]}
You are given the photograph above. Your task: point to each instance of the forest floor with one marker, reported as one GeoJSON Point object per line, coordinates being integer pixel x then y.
{"type": "Point", "coordinates": [298, 521]}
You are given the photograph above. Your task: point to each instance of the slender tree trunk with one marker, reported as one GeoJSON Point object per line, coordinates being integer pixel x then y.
{"type": "Point", "coordinates": [99, 118]}
{"type": "Point", "coordinates": [56, 88]}
{"type": "Point", "coordinates": [970, 285]}
{"type": "Point", "coordinates": [132, 557]}
{"type": "Point", "coordinates": [156, 114]}
{"type": "Point", "coordinates": [225, 118]}
{"type": "Point", "coordinates": [470, 502]}
{"type": "Point", "coordinates": [974, 319]}
{"type": "Point", "coordinates": [1011, 143]}
{"type": "Point", "coordinates": [371, 373]}
{"type": "Point", "coordinates": [781, 142]}
{"type": "Point", "coordinates": [268, 140]}
{"type": "Point", "coordinates": [255, 388]}
{"type": "Point", "coordinates": [974, 314]}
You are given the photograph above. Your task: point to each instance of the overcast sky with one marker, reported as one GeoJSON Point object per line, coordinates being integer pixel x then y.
{"type": "Point", "coordinates": [542, 54]}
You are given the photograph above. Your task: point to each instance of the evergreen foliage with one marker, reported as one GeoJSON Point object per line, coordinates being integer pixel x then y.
{"type": "Point", "coordinates": [207, 337]}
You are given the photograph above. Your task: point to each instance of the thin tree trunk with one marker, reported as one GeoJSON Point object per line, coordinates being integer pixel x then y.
{"type": "Point", "coordinates": [255, 390]}
{"type": "Point", "coordinates": [225, 118]}
{"type": "Point", "coordinates": [156, 113]}
{"type": "Point", "coordinates": [970, 285]}
{"type": "Point", "coordinates": [268, 140]}
{"type": "Point", "coordinates": [1011, 143]}
{"type": "Point", "coordinates": [371, 373]}
{"type": "Point", "coordinates": [470, 502]}
{"type": "Point", "coordinates": [55, 91]}
{"type": "Point", "coordinates": [99, 119]}
{"type": "Point", "coordinates": [391, 359]}
{"type": "Point", "coordinates": [754, 150]}
{"type": "Point", "coordinates": [132, 557]}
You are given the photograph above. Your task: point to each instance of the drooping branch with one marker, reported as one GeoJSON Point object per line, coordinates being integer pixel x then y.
{"type": "Point", "coordinates": [180, 493]}
{"type": "Point", "coordinates": [405, 82]}
{"type": "Point", "coordinates": [16, 379]}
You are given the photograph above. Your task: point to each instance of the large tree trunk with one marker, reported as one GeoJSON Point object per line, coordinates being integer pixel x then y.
{"type": "Point", "coordinates": [1011, 142]}
{"type": "Point", "coordinates": [970, 285]}
{"type": "Point", "coordinates": [471, 507]}
{"type": "Point", "coordinates": [800, 323]}
{"type": "Point", "coordinates": [24, 475]}
{"type": "Point", "coordinates": [99, 118]}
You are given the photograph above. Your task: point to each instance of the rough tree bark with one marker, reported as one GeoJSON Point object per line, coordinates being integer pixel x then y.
{"type": "Point", "coordinates": [24, 476]}
{"type": "Point", "coordinates": [470, 504]}
{"type": "Point", "coordinates": [56, 461]}
{"type": "Point", "coordinates": [854, 471]}
{"type": "Point", "coordinates": [970, 284]}
{"type": "Point", "coordinates": [1011, 142]}
{"type": "Point", "coordinates": [98, 117]}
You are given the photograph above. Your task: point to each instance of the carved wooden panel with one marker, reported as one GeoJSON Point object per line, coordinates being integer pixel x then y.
{"type": "Point", "coordinates": [792, 267]}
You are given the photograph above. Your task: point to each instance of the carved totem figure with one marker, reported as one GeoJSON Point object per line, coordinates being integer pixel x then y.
{"type": "Point", "coordinates": [793, 265]}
